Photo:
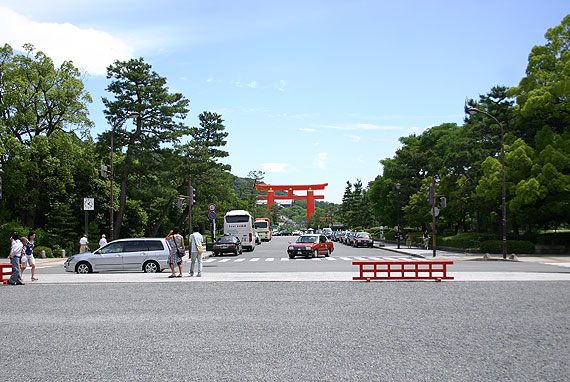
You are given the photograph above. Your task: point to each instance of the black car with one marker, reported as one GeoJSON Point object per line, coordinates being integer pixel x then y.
{"type": "Point", "coordinates": [227, 244]}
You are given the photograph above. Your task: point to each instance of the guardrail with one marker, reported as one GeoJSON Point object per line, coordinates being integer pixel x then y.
{"type": "Point", "coordinates": [403, 270]}
{"type": "Point", "coordinates": [3, 272]}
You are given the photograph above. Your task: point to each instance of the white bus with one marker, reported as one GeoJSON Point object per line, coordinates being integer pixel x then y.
{"type": "Point", "coordinates": [239, 223]}
{"type": "Point", "coordinates": [263, 228]}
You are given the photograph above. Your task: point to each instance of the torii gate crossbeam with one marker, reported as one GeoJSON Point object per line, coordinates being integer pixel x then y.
{"type": "Point", "coordinates": [310, 197]}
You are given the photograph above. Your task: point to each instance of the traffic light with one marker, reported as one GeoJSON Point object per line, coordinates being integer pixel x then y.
{"type": "Point", "coordinates": [431, 195]}
{"type": "Point", "coordinates": [443, 202]}
{"type": "Point", "coordinates": [192, 196]}
{"type": "Point", "coordinates": [104, 172]}
{"type": "Point", "coordinates": [180, 203]}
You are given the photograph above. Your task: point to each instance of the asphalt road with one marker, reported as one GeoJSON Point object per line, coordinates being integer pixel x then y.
{"type": "Point", "coordinates": [399, 331]}
{"type": "Point", "coordinates": [272, 257]}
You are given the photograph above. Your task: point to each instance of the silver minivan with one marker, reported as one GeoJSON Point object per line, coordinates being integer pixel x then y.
{"type": "Point", "coordinates": [146, 254]}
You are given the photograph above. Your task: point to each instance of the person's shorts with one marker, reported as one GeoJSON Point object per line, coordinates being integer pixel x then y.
{"type": "Point", "coordinates": [29, 261]}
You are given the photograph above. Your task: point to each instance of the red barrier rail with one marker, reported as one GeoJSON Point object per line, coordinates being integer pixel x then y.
{"type": "Point", "coordinates": [403, 270]}
{"type": "Point", "coordinates": [3, 273]}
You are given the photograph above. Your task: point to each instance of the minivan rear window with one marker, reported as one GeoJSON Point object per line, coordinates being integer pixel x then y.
{"type": "Point", "coordinates": [154, 245]}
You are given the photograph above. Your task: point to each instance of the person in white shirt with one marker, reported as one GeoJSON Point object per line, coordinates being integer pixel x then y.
{"type": "Point", "coordinates": [103, 241]}
{"type": "Point", "coordinates": [195, 239]}
{"type": "Point", "coordinates": [15, 256]}
{"type": "Point", "coordinates": [83, 244]}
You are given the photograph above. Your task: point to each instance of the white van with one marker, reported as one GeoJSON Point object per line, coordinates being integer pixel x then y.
{"type": "Point", "coordinates": [239, 223]}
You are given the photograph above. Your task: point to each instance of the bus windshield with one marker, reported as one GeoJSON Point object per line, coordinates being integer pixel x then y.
{"type": "Point", "coordinates": [261, 224]}
{"type": "Point", "coordinates": [237, 218]}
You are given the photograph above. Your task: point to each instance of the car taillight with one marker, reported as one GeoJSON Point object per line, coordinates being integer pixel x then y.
{"type": "Point", "coordinates": [231, 246]}
{"type": "Point", "coordinates": [250, 237]}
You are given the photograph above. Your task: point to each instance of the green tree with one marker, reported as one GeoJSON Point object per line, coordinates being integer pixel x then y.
{"type": "Point", "coordinates": [136, 88]}
{"type": "Point", "coordinates": [36, 98]}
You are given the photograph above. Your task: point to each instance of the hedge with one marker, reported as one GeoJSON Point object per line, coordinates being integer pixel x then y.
{"type": "Point", "coordinates": [513, 246]}
{"type": "Point", "coordinates": [38, 251]}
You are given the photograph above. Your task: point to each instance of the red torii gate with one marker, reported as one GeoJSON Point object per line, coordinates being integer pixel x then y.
{"type": "Point", "coordinates": [310, 197]}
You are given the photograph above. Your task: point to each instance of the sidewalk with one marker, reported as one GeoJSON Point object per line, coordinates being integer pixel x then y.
{"type": "Point", "coordinates": [458, 256]}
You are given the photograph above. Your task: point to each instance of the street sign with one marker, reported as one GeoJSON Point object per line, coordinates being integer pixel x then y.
{"type": "Point", "coordinates": [212, 215]}
{"type": "Point", "coordinates": [212, 207]}
{"type": "Point", "coordinates": [88, 204]}
{"type": "Point", "coordinates": [435, 211]}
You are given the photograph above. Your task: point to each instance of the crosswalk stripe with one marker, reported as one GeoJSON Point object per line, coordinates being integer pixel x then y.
{"type": "Point", "coordinates": [369, 258]}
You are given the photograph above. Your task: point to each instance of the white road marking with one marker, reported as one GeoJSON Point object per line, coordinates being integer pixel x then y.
{"type": "Point", "coordinates": [254, 259]}
{"type": "Point", "coordinates": [225, 260]}
{"type": "Point", "coordinates": [269, 259]}
{"type": "Point", "coordinates": [284, 259]}
{"type": "Point", "coordinates": [330, 258]}
{"type": "Point", "coordinates": [239, 260]}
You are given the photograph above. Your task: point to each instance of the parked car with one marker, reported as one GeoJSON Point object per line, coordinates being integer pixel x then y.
{"type": "Point", "coordinates": [350, 238]}
{"type": "Point", "coordinates": [363, 239]}
{"type": "Point", "coordinates": [310, 245]}
{"type": "Point", "coordinates": [227, 244]}
{"type": "Point", "coordinates": [328, 233]}
{"type": "Point", "coordinates": [147, 254]}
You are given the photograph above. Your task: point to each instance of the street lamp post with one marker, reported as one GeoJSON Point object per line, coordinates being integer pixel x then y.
{"type": "Point", "coordinates": [398, 197]}
{"type": "Point", "coordinates": [473, 111]}
{"type": "Point", "coordinates": [133, 114]}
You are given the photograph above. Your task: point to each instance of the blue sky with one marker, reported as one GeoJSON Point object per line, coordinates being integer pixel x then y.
{"type": "Point", "coordinates": [310, 91]}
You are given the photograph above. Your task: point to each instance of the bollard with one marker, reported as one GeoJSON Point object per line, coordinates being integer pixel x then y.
{"type": "Point", "coordinates": [43, 254]}
{"type": "Point", "coordinates": [63, 253]}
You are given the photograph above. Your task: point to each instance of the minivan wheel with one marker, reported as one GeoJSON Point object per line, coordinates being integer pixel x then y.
{"type": "Point", "coordinates": [315, 253]}
{"type": "Point", "coordinates": [328, 253]}
{"type": "Point", "coordinates": [151, 267]}
{"type": "Point", "coordinates": [83, 268]}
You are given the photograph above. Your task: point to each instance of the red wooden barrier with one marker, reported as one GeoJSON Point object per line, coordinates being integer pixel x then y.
{"type": "Point", "coordinates": [5, 270]}
{"type": "Point", "coordinates": [403, 270]}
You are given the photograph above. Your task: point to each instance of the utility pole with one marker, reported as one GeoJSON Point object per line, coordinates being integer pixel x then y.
{"type": "Point", "coordinates": [190, 202]}
{"type": "Point", "coordinates": [433, 215]}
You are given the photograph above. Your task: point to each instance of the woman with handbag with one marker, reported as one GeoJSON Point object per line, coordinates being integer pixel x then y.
{"type": "Point", "coordinates": [196, 250]}
{"type": "Point", "coordinates": [177, 251]}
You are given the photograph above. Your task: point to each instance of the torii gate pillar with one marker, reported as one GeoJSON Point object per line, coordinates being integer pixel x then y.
{"type": "Point", "coordinates": [310, 197]}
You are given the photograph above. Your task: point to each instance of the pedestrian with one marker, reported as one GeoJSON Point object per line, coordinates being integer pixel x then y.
{"type": "Point", "coordinates": [102, 241]}
{"type": "Point", "coordinates": [28, 258]}
{"type": "Point", "coordinates": [83, 244]}
{"type": "Point", "coordinates": [177, 251]}
{"type": "Point", "coordinates": [426, 240]}
{"type": "Point", "coordinates": [196, 251]}
{"type": "Point", "coordinates": [409, 239]}
{"type": "Point", "coordinates": [15, 258]}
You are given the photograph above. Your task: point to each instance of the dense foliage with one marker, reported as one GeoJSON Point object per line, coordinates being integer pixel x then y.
{"type": "Point", "coordinates": [465, 163]}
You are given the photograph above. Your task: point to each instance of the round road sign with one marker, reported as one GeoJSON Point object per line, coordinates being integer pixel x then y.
{"type": "Point", "coordinates": [212, 207]}
{"type": "Point", "coordinates": [212, 215]}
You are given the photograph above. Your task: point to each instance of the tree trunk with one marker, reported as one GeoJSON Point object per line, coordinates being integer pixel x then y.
{"type": "Point", "coordinates": [124, 181]}
{"type": "Point", "coordinates": [161, 219]}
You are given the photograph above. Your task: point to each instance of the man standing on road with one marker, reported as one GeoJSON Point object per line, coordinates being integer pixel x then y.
{"type": "Point", "coordinates": [83, 244]}
{"type": "Point", "coordinates": [15, 256]}
{"type": "Point", "coordinates": [103, 241]}
{"type": "Point", "coordinates": [196, 239]}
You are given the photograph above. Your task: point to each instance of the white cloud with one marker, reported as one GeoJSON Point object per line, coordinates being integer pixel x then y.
{"type": "Point", "coordinates": [281, 85]}
{"type": "Point", "coordinates": [90, 50]}
{"type": "Point", "coordinates": [354, 138]}
{"type": "Point", "coordinates": [275, 167]}
{"type": "Point", "coordinates": [209, 80]}
{"type": "Point", "coordinates": [321, 161]}
{"type": "Point", "coordinates": [306, 129]}
{"type": "Point", "coordinates": [361, 126]}
{"type": "Point", "coordinates": [252, 84]}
